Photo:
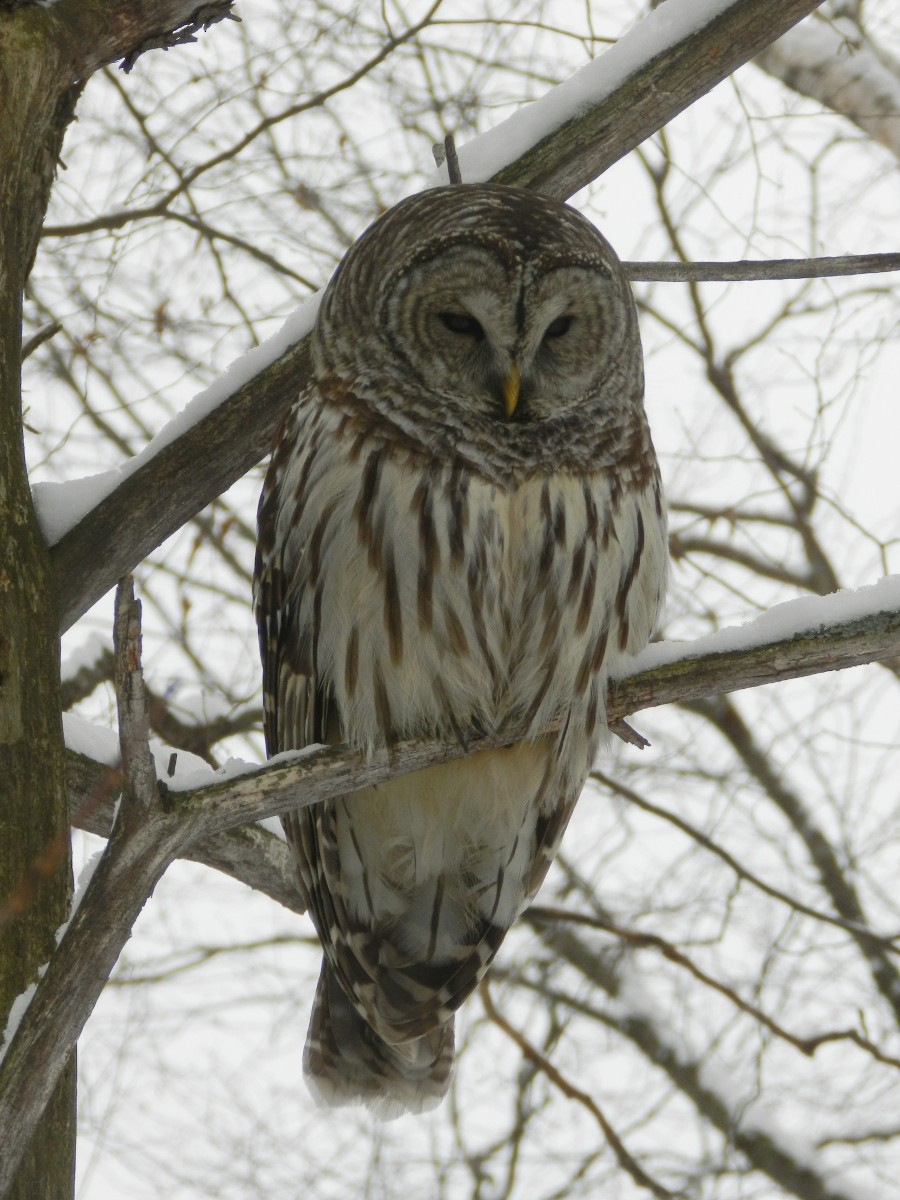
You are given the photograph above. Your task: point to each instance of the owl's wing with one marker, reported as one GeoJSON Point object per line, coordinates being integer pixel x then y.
{"type": "Point", "coordinates": [297, 705]}
{"type": "Point", "coordinates": [344, 1061]}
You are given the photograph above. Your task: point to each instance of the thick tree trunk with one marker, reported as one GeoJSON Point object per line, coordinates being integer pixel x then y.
{"type": "Point", "coordinates": [35, 865]}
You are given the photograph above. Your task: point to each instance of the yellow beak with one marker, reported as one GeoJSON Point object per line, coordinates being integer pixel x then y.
{"type": "Point", "coordinates": [511, 391]}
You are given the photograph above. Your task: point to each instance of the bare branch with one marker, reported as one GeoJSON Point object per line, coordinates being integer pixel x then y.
{"type": "Point", "coordinates": [745, 270]}
{"type": "Point", "coordinates": [135, 858]}
{"type": "Point", "coordinates": [91, 35]}
{"type": "Point", "coordinates": [38, 339]}
{"type": "Point", "coordinates": [648, 96]}
{"type": "Point", "coordinates": [794, 1175]}
{"type": "Point", "coordinates": [626, 1161]}
{"type": "Point", "coordinates": [697, 835]}
{"type": "Point", "coordinates": [200, 20]}
{"type": "Point", "coordinates": [641, 940]}
{"type": "Point", "coordinates": [138, 852]}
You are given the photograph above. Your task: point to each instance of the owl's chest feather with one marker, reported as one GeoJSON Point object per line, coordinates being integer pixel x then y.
{"type": "Point", "coordinates": [441, 601]}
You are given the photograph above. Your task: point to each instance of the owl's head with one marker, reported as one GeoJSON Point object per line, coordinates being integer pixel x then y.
{"type": "Point", "coordinates": [487, 313]}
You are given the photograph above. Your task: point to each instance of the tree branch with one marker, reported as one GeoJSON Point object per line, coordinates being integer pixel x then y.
{"type": "Point", "coordinates": [96, 34]}
{"type": "Point", "coordinates": [689, 58]}
{"type": "Point", "coordinates": [337, 770]}
{"type": "Point", "coordinates": [745, 270]}
{"type": "Point", "coordinates": [836, 64]}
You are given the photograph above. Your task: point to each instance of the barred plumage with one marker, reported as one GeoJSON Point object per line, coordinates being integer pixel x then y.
{"type": "Point", "coordinates": [462, 525]}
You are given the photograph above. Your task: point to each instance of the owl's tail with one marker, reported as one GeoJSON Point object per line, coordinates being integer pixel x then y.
{"type": "Point", "coordinates": [346, 1062]}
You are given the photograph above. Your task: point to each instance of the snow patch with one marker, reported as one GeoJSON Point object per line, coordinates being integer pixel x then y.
{"type": "Point", "coordinates": [93, 741]}
{"type": "Point", "coordinates": [84, 656]}
{"type": "Point", "coordinates": [781, 622]}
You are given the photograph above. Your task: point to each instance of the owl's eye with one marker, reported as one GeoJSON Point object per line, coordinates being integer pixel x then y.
{"type": "Point", "coordinates": [462, 323]}
{"type": "Point", "coordinates": [558, 327]}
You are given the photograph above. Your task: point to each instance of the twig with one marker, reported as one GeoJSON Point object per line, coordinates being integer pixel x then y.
{"type": "Point", "coordinates": [534, 1056]}
{"type": "Point", "coordinates": [204, 16]}
{"type": "Point", "coordinates": [652, 941]}
{"type": "Point", "coordinates": [445, 152]}
{"type": "Point", "coordinates": [134, 726]}
{"type": "Point", "coordinates": [453, 170]}
{"type": "Point", "coordinates": [38, 339]}
{"type": "Point", "coordinates": [890, 942]}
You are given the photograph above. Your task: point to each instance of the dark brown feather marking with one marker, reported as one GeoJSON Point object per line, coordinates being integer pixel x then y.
{"type": "Point", "coordinates": [630, 575]}
{"type": "Point", "coordinates": [541, 693]}
{"type": "Point", "coordinates": [600, 650]}
{"type": "Point", "coordinates": [382, 704]}
{"type": "Point", "coordinates": [590, 716]}
{"type": "Point", "coordinates": [299, 493]}
{"type": "Point", "coordinates": [425, 597]}
{"type": "Point", "coordinates": [498, 889]}
{"type": "Point", "coordinates": [577, 569]}
{"type": "Point", "coordinates": [559, 522]}
{"type": "Point", "coordinates": [609, 531]}
{"type": "Point", "coordinates": [463, 735]}
{"type": "Point", "coordinates": [587, 597]}
{"type": "Point", "coordinates": [435, 916]}
{"type": "Point", "coordinates": [429, 554]}
{"type": "Point", "coordinates": [591, 519]}
{"type": "Point", "coordinates": [455, 632]}
{"type": "Point", "coordinates": [476, 594]}
{"type": "Point", "coordinates": [318, 537]}
{"type": "Point", "coordinates": [548, 541]}
{"type": "Point", "coordinates": [365, 501]}
{"type": "Point", "coordinates": [591, 663]}
{"type": "Point", "coordinates": [351, 662]}
{"type": "Point", "coordinates": [357, 445]}
{"type": "Point", "coordinates": [316, 626]}
{"type": "Point", "coordinates": [615, 494]}
{"type": "Point", "coordinates": [458, 523]}
{"type": "Point", "coordinates": [376, 545]}
{"type": "Point", "coordinates": [393, 616]}
{"type": "Point", "coordinates": [362, 862]}
{"type": "Point", "coordinates": [549, 621]}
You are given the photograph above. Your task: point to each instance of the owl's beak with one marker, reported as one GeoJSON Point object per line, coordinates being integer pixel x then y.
{"type": "Point", "coordinates": [511, 389]}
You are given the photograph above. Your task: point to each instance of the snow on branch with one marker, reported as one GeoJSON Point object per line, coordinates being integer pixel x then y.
{"type": "Point", "coordinates": [671, 58]}
{"type": "Point", "coordinates": [558, 144]}
{"type": "Point", "coordinates": [801, 637]}
{"type": "Point", "coordinates": [835, 64]}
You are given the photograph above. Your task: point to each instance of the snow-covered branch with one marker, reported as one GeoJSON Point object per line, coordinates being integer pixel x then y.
{"type": "Point", "coordinates": [792, 640]}
{"type": "Point", "coordinates": [558, 144]}
{"type": "Point", "coordinates": [835, 64]}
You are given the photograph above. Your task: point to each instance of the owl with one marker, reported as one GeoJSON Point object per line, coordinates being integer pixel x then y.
{"type": "Point", "coordinates": [462, 529]}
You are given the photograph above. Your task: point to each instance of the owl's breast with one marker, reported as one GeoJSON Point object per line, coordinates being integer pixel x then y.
{"type": "Point", "coordinates": [439, 602]}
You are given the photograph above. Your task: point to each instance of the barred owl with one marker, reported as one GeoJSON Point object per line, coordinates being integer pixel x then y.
{"type": "Point", "coordinates": [462, 527]}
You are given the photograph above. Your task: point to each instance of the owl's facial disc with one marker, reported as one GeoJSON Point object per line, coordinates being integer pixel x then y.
{"type": "Point", "coordinates": [511, 339]}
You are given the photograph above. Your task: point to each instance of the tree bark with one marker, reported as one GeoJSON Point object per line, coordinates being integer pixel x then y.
{"type": "Point", "coordinates": [45, 54]}
{"type": "Point", "coordinates": [35, 863]}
